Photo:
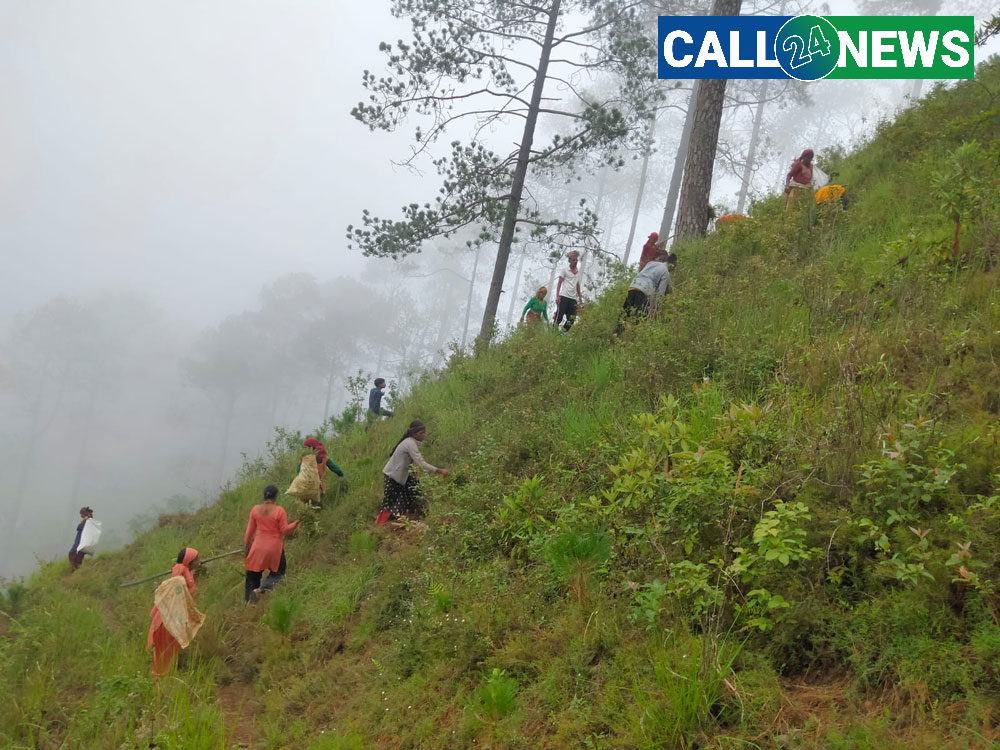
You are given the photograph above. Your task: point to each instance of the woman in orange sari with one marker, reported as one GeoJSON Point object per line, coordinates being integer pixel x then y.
{"type": "Point", "coordinates": [264, 541]}
{"type": "Point", "coordinates": [165, 646]}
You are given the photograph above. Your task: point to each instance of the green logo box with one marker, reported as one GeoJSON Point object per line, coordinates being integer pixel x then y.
{"type": "Point", "coordinates": [905, 46]}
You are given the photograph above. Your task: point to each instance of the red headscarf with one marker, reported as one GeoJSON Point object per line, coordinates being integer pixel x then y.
{"type": "Point", "coordinates": [183, 569]}
{"type": "Point", "coordinates": [801, 172]}
{"type": "Point", "coordinates": [649, 250]}
{"type": "Point", "coordinates": [317, 446]}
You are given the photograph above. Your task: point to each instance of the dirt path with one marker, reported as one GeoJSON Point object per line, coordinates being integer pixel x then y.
{"type": "Point", "coordinates": [239, 706]}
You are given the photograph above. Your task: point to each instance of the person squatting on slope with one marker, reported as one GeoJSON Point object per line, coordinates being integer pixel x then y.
{"type": "Point", "coordinates": [165, 646]}
{"type": "Point", "coordinates": [650, 250]}
{"type": "Point", "coordinates": [537, 308]}
{"type": "Point", "coordinates": [263, 544]}
{"type": "Point", "coordinates": [375, 409]}
{"type": "Point", "coordinates": [402, 495]}
{"type": "Point", "coordinates": [799, 179]}
{"type": "Point", "coordinates": [568, 293]}
{"type": "Point", "coordinates": [650, 285]}
{"type": "Point", "coordinates": [76, 558]}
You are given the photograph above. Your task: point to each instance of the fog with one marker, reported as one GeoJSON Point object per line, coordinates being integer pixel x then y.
{"type": "Point", "coordinates": [176, 185]}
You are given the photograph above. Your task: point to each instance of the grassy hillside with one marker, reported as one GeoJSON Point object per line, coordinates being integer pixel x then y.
{"type": "Point", "coordinates": [768, 519]}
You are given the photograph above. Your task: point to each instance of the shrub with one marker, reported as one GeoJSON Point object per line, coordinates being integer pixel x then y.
{"type": "Point", "coordinates": [495, 698]}
{"type": "Point", "coordinates": [577, 557]}
{"type": "Point", "coordinates": [282, 614]}
{"type": "Point", "coordinates": [685, 694]}
{"type": "Point", "coordinates": [362, 544]}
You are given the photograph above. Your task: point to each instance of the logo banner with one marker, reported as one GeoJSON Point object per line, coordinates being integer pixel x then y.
{"type": "Point", "coordinates": [808, 48]}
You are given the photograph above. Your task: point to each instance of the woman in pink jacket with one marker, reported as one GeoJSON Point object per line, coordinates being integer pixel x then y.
{"type": "Point", "coordinates": [264, 541]}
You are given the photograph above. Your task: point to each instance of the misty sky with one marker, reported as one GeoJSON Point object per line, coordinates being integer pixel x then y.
{"type": "Point", "coordinates": [191, 150]}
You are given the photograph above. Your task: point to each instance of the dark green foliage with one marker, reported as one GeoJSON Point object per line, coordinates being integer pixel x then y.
{"type": "Point", "coordinates": [282, 613]}
{"type": "Point", "coordinates": [495, 697]}
{"type": "Point", "coordinates": [577, 557]}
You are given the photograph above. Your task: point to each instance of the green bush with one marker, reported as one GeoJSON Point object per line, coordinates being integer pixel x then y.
{"type": "Point", "coordinates": [576, 558]}
{"type": "Point", "coordinates": [685, 696]}
{"type": "Point", "coordinates": [283, 612]}
{"type": "Point", "coordinates": [495, 698]}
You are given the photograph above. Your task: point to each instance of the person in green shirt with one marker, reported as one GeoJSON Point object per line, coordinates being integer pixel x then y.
{"type": "Point", "coordinates": [537, 307]}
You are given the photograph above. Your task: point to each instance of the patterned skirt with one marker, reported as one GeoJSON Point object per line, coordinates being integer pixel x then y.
{"type": "Point", "coordinates": [403, 499]}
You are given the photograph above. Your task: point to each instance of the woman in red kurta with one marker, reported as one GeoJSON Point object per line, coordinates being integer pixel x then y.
{"type": "Point", "coordinates": [263, 542]}
{"type": "Point", "coordinates": [165, 646]}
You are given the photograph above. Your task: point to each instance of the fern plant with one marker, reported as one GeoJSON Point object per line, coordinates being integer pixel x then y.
{"type": "Point", "coordinates": [496, 697]}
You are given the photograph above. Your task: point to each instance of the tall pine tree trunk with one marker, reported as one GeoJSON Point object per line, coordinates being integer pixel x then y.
{"type": "Point", "coordinates": [642, 189]}
{"type": "Point", "coordinates": [667, 223]}
{"type": "Point", "coordinates": [329, 394]}
{"type": "Point", "coordinates": [692, 212]}
{"type": "Point", "coordinates": [227, 426]}
{"type": "Point", "coordinates": [517, 286]}
{"type": "Point", "coordinates": [89, 432]}
{"type": "Point", "coordinates": [468, 304]}
{"type": "Point", "coordinates": [520, 172]}
{"type": "Point", "coordinates": [752, 148]}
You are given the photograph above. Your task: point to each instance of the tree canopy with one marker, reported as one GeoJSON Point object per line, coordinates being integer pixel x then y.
{"type": "Point", "coordinates": [481, 66]}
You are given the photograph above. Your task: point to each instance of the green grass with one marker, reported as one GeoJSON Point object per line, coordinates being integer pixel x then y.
{"type": "Point", "coordinates": [607, 566]}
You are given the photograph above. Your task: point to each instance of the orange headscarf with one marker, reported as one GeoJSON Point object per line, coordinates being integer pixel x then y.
{"type": "Point", "coordinates": [183, 570]}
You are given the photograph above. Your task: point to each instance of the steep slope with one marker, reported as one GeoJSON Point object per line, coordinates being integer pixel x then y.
{"type": "Point", "coordinates": [767, 519]}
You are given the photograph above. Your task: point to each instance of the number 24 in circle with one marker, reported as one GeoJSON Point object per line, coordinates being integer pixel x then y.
{"type": "Point", "coordinates": [818, 45]}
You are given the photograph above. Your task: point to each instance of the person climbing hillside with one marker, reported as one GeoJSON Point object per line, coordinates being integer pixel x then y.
{"type": "Point", "coordinates": [323, 461]}
{"type": "Point", "coordinates": [402, 496]}
{"type": "Point", "coordinates": [537, 308]}
{"type": "Point", "coordinates": [178, 610]}
{"type": "Point", "coordinates": [75, 557]}
{"type": "Point", "coordinates": [304, 484]}
{"type": "Point", "coordinates": [799, 179]}
{"type": "Point", "coordinates": [569, 296]}
{"type": "Point", "coordinates": [375, 409]}
{"type": "Point", "coordinates": [263, 544]}
{"type": "Point", "coordinates": [650, 250]}
{"type": "Point", "coordinates": [650, 285]}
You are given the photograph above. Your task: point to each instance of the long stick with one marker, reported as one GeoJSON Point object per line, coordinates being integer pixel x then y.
{"type": "Point", "coordinates": [161, 575]}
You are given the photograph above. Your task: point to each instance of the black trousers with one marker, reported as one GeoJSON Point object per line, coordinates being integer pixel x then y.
{"type": "Point", "coordinates": [636, 306]}
{"type": "Point", "coordinates": [567, 308]}
{"type": "Point", "coordinates": [253, 579]}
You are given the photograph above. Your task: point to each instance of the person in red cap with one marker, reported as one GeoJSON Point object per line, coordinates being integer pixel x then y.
{"type": "Point", "coordinates": [799, 178]}
{"type": "Point", "coordinates": [650, 250]}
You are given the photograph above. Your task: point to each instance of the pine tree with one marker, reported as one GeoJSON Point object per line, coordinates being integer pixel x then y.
{"type": "Point", "coordinates": [693, 211]}
{"type": "Point", "coordinates": [484, 63]}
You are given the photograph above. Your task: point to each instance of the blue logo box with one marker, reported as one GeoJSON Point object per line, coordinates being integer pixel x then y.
{"type": "Point", "coordinates": [719, 47]}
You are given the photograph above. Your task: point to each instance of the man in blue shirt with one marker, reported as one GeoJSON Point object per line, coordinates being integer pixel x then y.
{"type": "Point", "coordinates": [375, 409]}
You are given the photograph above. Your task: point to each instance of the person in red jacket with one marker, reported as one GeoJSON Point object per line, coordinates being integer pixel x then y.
{"type": "Point", "coordinates": [650, 250]}
{"type": "Point", "coordinates": [799, 177]}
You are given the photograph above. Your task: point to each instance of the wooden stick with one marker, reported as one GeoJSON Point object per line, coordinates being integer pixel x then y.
{"type": "Point", "coordinates": [161, 575]}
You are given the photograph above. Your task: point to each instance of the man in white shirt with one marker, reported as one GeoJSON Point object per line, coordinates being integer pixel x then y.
{"type": "Point", "coordinates": [568, 292]}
